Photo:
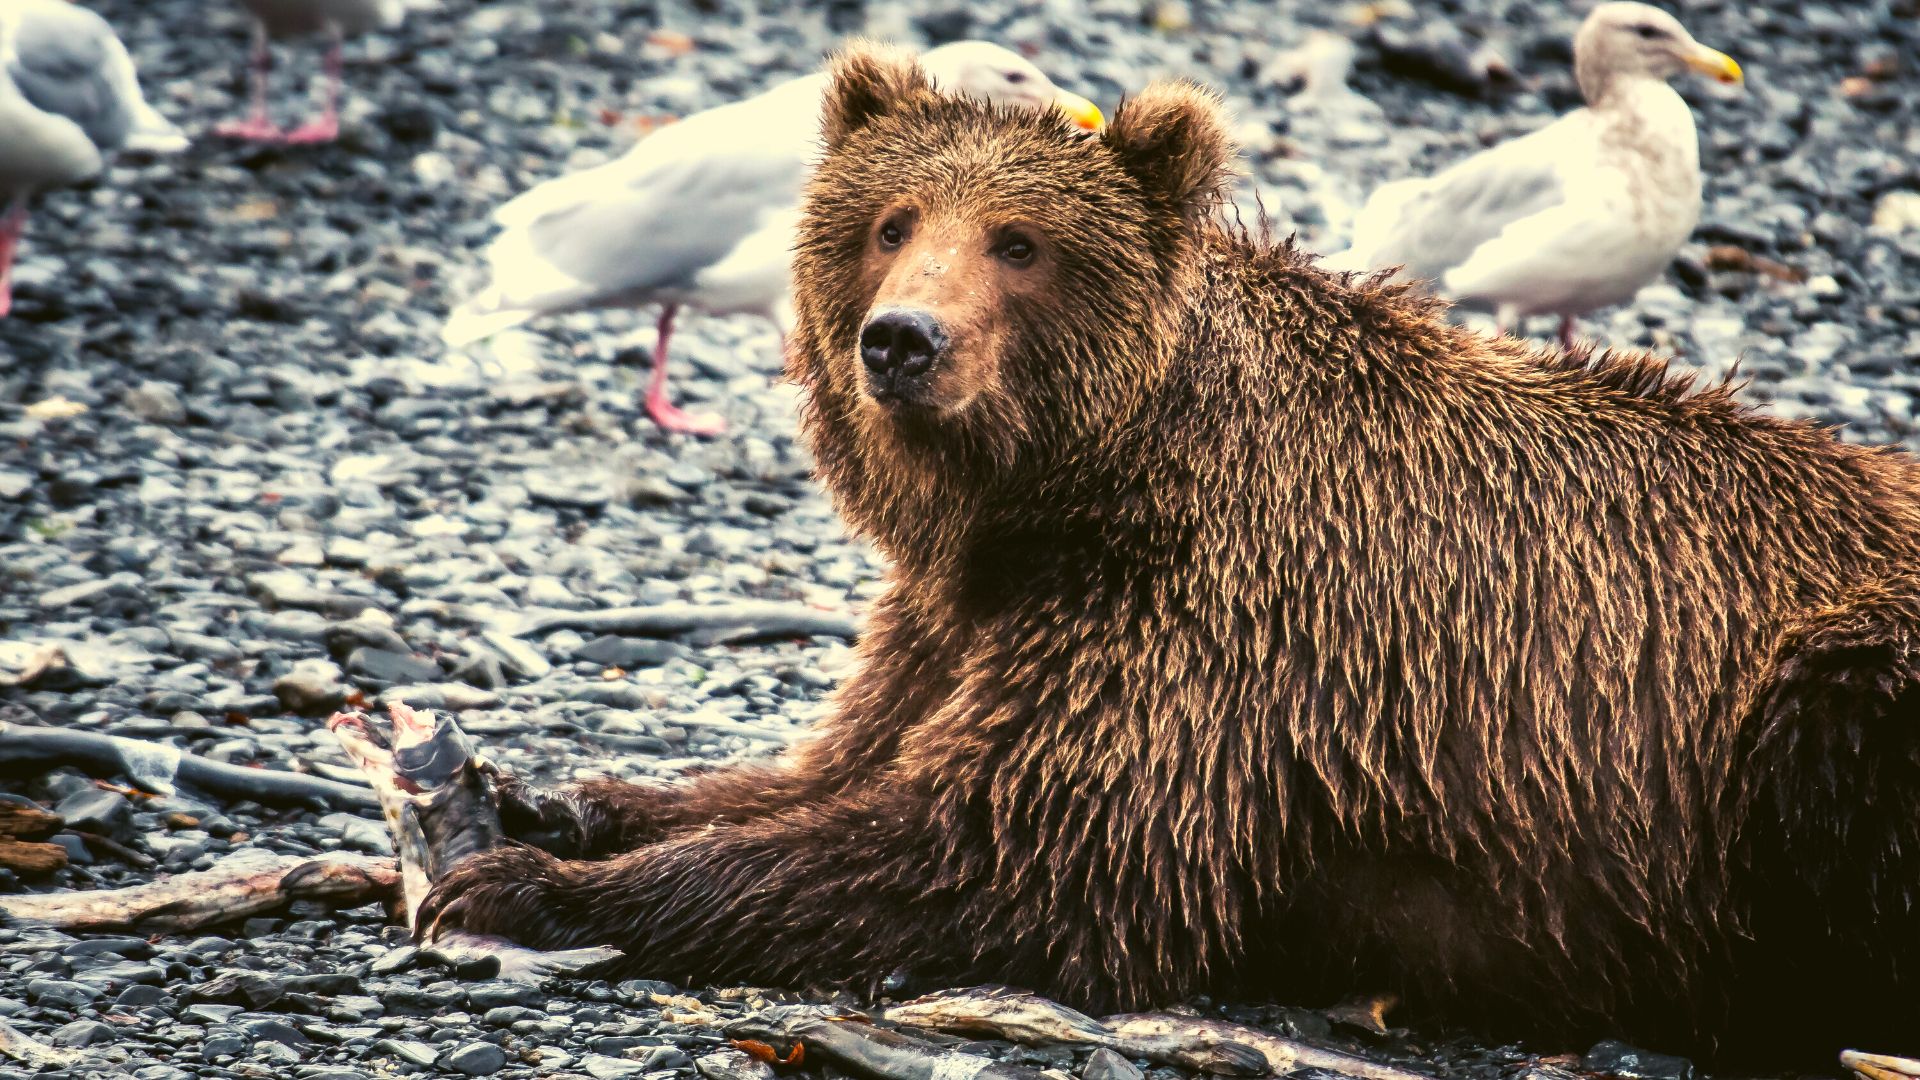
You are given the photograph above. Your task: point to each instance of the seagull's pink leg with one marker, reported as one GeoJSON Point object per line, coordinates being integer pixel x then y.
{"type": "Point", "coordinates": [663, 411]}
{"type": "Point", "coordinates": [258, 126]}
{"type": "Point", "coordinates": [1566, 331]}
{"type": "Point", "coordinates": [327, 127]}
{"type": "Point", "coordinates": [12, 224]}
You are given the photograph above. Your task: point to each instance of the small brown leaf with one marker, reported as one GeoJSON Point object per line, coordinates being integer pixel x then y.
{"type": "Point", "coordinates": [673, 42]}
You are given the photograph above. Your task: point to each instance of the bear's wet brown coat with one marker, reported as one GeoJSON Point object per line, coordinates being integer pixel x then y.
{"type": "Point", "coordinates": [1253, 631]}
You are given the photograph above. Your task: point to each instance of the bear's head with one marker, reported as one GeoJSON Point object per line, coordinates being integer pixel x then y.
{"type": "Point", "coordinates": [983, 289]}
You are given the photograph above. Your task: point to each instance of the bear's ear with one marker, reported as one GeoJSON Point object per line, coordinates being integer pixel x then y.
{"type": "Point", "coordinates": [865, 81]}
{"type": "Point", "coordinates": [1173, 138]}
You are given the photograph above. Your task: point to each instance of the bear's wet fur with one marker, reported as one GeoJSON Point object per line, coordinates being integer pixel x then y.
{"type": "Point", "coordinates": [1254, 632]}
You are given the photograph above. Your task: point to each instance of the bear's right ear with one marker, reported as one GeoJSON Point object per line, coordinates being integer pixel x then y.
{"type": "Point", "coordinates": [1173, 138]}
{"type": "Point", "coordinates": [866, 81]}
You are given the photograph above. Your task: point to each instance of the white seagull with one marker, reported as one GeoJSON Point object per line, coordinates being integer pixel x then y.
{"type": "Point", "coordinates": [68, 98]}
{"type": "Point", "coordinates": [338, 20]}
{"type": "Point", "coordinates": [701, 213]}
{"type": "Point", "coordinates": [1573, 217]}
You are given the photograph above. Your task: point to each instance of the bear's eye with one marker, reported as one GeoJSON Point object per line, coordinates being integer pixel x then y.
{"type": "Point", "coordinates": [1017, 250]}
{"type": "Point", "coordinates": [891, 235]}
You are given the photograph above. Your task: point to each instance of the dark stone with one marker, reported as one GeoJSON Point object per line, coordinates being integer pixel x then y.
{"type": "Point", "coordinates": [141, 995]}
{"type": "Point", "coordinates": [84, 1033]}
{"type": "Point", "coordinates": [475, 1059]}
{"type": "Point", "coordinates": [269, 1030]}
{"type": "Point", "coordinates": [96, 810]}
{"type": "Point", "coordinates": [629, 653]}
{"type": "Point", "coordinates": [132, 948]}
{"type": "Point", "coordinates": [500, 994]}
{"type": "Point", "coordinates": [1105, 1064]}
{"type": "Point", "coordinates": [380, 668]}
{"type": "Point", "coordinates": [393, 960]}
{"type": "Point", "coordinates": [61, 993]}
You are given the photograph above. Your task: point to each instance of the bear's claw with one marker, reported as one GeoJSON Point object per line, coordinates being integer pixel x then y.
{"type": "Point", "coordinates": [514, 892]}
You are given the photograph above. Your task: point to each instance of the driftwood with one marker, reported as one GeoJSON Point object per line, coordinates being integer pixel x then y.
{"type": "Point", "coordinates": [238, 886]}
{"type": "Point", "coordinates": [22, 826]}
{"type": "Point", "coordinates": [1188, 1042]}
{"type": "Point", "coordinates": [24, 857]}
{"type": "Point", "coordinates": [28, 1050]}
{"type": "Point", "coordinates": [157, 767]}
{"type": "Point", "coordinates": [746, 620]}
{"type": "Point", "coordinates": [1880, 1066]}
{"type": "Point", "coordinates": [21, 821]}
{"type": "Point", "coordinates": [22, 829]}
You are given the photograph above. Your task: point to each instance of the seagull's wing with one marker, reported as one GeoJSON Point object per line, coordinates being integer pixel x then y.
{"type": "Point", "coordinates": [1434, 225]}
{"type": "Point", "coordinates": [66, 61]}
{"type": "Point", "coordinates": [651, 223]}
{"type": "Point", "coordinates": [662, 232]}
{"type": "Point", "coordinates": [1575, 255]}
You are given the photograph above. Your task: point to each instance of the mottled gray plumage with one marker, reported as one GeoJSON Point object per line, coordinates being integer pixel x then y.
{"type": "Point", "coordinates": [63, 63]}
{"type": "Point", "coordinates": [68, 98]}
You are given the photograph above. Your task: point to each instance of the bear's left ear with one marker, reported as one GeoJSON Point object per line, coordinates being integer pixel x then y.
{"type": "Point", "coordinates": [1173, 138]}
{"type": "Point", "coordinates": [866, 81]}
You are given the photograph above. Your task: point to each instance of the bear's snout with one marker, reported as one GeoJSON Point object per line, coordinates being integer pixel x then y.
{"type": "Point", "coordinates": [899, 346]}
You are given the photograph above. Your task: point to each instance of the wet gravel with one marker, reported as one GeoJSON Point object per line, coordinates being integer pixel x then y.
{"type": "Point", "coordinates": [241, 482]}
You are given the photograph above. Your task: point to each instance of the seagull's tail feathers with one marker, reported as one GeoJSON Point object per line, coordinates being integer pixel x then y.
{"type": "Point", "coordinates": [153, 133]}
{"type": "Point", "coordinates": [481, 318]}
{"type": "Point", "coordinates": [148, 131]}
{"type": "Point", "coordinates": [524, 285]}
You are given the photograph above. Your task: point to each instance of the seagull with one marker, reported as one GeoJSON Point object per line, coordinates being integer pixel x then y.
{"type": "Point", "coordinates": [1575, 216]}
{"type": "Point", "coordinates": [68, 97]}
{"type": "Point", "coordinates": [701, 214]}
{"type": "Point", "coordinates": [337, 19]}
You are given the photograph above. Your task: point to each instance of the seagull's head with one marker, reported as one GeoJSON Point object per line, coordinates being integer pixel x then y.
{"type": "Point", "coordinates": [1633, 39]}
{"type": "Point", "coordinates": [990, 73]}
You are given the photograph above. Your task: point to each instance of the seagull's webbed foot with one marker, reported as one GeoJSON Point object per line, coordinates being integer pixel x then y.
{"type": "Point", "coordinates": [1880, 1066]}
{"type": "Point", "coordinates": [253, 129]}
{"type": "Point", "coordinates": [325, 129]}
{"type": "Point", "coordinates": [671, 417]}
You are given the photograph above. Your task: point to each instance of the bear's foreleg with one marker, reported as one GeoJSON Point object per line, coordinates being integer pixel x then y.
{"type": "Point", "coordinates": [906, 673]}
{"type": "Point", "coordinates": [846, 891]}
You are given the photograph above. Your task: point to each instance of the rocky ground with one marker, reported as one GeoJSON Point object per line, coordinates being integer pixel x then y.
{"type": "Point", "coordinates": [240, 481]}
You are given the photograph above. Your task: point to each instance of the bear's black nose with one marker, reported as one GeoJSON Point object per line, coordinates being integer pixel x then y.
{"type": "Point", "coordinates": [902, 344]}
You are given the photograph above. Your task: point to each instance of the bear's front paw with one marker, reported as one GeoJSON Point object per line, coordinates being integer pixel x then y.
{"type": "Point", "coordinates": [534, 817]}
{"type": "Point", "coordinates": [515, 892]}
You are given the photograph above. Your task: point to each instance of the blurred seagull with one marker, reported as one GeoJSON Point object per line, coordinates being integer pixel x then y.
{"type": "Point", "coordinates": [1573, 217]}
{"type": "Point", "coordinates": [298, 18]}
{"type": "Point", "coordinates": [68, 97]}
{"type": "Point", "coordinates": [702, 213]}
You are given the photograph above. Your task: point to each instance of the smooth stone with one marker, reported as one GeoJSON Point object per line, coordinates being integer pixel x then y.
{"type": "Point", "coordinates": [475, 1059]}
{"type": "Point", "coordinates": [1106, 1064]}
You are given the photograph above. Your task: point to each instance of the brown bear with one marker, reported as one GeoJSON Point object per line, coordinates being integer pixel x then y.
{"type": "Point", "coordinates": [1253, 631]}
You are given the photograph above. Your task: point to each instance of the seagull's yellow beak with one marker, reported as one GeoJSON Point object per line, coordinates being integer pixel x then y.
{"type": "Point", "coordinates": [1714, 64]}
{"type": "Point", "coordinates": [1082, 112]}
